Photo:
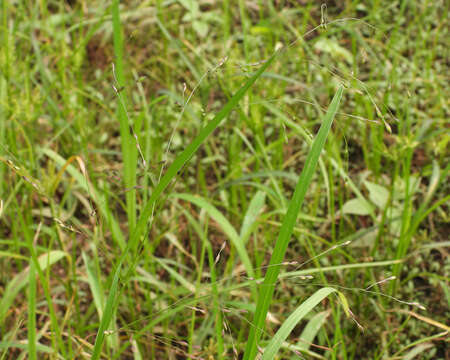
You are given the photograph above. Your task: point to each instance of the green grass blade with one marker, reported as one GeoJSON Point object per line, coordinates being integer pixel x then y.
{"type": "Point", "coordinates": [11, 255]}
{"type": "Point", "coordinates": [414, 352]}
{"type": "Point", "coordinates": [129, 150]}
{"type": "Point", "coordinates": [217, 314]}
{"type": "Point", "coordinates": [227, 228]}
{"type": "Point", "coordinates": [171, 173]}
{"type": "Point", "coordinates": [266, 292]}
{"type": "Point", "coordinates": [21, 280]}
{"type": "Point", "coordinates": [5, 345]}
{"type": "Point", "coordinates": [108, 313]}
{"type": "Point", "coordinates": [254, 208]}
{"type": "Point", "coordinates": [175, 275]}
{"type": "Point", "coordinates": [311, 329]}
{"type": "Point", "coordinates": [293, 319]}
{"type": "Point", "coordinates": [96, 287]}
{"type": "Point", "coordinates": [31, 326]}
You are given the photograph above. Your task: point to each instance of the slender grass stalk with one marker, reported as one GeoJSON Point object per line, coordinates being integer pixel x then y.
{"type": "Point", "coordinates": [32, 285]}
{"type": "Point", "coordinates": [267, 289]}
{"type": "Point", "coordinates": [93, 279]}
{"type": "Point", "coordinates": [129, 150]}
{"type": "Point", "coordinates": [31, 326]}
{"type": "Point", "coordinates": [21, 280]}
{"type": "Point", "coordinates": [215, 294]}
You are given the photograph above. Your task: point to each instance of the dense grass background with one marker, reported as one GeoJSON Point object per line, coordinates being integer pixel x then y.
{"type": "Point", "coordinates": [149, 151]}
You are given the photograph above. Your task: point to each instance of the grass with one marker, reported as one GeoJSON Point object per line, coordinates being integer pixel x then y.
{"type": "Point", "coordinates": [279, 250]}
{"type": "Point", "coordinates": [236, 180]}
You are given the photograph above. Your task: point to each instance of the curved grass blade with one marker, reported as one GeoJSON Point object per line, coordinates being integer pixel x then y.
{"type": "Point", "coordinates": [266, 292]}
{"type": "Point", "coordinates": [254, 208]}
{"type": "Point", "coordinates": [171, 173]}
{"type": "Point", "coordinates": [227, 228]}
{"type": "Point", "coordinates": [311, 329]}
{"type": "Point", "coordinates": [293, 319]}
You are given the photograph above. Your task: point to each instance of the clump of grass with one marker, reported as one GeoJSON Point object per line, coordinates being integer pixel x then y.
{"type": "Point", "coordinates": [140, 262]}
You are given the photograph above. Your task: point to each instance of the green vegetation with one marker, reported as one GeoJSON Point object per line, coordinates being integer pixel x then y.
{"type": "Point", "coordinates": [218, 180]}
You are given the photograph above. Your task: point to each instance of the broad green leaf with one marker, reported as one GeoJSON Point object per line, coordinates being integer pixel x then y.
{"type": "Point", "coordinates": [378, 194]}
{"type": "Point", "coordinates": [332, 47]}
{"type": "Point", "coordinates": [357, 207]}
{"type": "Point", "coordinates": [417, 350]}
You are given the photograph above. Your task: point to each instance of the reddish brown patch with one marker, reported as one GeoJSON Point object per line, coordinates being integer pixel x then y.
{"type": "Point", "coordinates": [420, 158]}
{"type": "Point", "coordinates": [97, 54]}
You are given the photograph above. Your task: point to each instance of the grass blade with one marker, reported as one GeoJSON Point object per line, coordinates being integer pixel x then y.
{"type": "Point", "coordinates": [254, 208]}
{"type": "Point", "coordinates": [108, 314]}
{"type": "Point", "coordinates": [129, 149]}
{"type": "Point", "coordinates": [217, 314]}
{"type": "Point", "coordinates": [311, 329]}
{"type": "Point", "coordinates": [293, 319]}
{"type": "Point", "coordinates": [96, 287]}
{"type": "Point", "coordinates": [31, 326]}
{"type": "Point", "coordinates": [21, 280]}
{"type": "Point", "coordinates": [227, 228]}
{"type": "Point", "coordinates": [266, 292]}
{"type": "Point", "coordinates": [413, 353]}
